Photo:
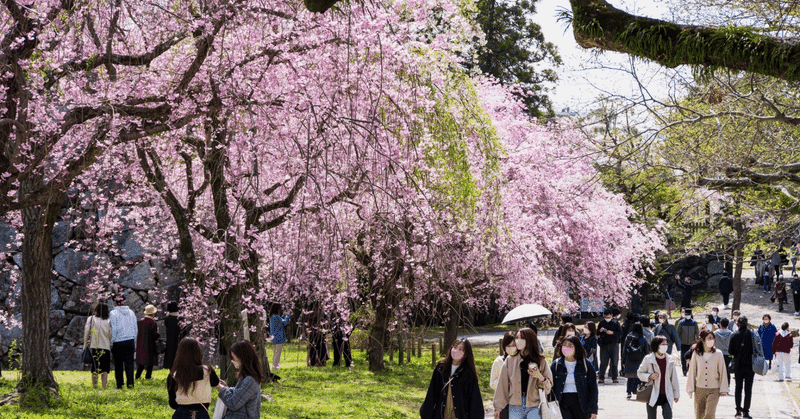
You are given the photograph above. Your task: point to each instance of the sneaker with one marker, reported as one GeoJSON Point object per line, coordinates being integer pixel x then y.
{"type": "Point", "coordinates": [629, 396]}
{"type": "Point", "coordinates": [797, 313]}
{"type": "Point", "coordinates": [746, 416]}
{"type": "Point", "coordinates": [601, 381]}
{"type": "Point", "coordinates": [780, 380]}
{"type": "Point", "coordinates": [738, 413]}
{"type": "Point", "coordinates": [615, 381]}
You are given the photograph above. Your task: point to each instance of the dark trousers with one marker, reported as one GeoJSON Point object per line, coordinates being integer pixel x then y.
{"type": "Point", "coordinates": [140, 368]}
{"type": "Point", "coordinates": [341, 347]}
{"type": "Point", "coordinates": [609, 352]}
{"type": "Point", "coordinates": [632, 384]}
{"type": "Point", "coordinates": [728, 361]}
{"type": "Point", "coordinates": [725, 298]}
{"type": "Point", "coordinates": [744, 380]}
{"type": "Point", "coordinates": [684, 362]}
{"type": "Point", "coordinates": [184, 413]}
{"type": "Point", "coordinates": [123, 361]}
{"type": "Point", "coordinates": [796, 299]}
{"type": "Point", "coordinates": [570, 407]}
{"type": "Point", "coordinates": [666, 408]}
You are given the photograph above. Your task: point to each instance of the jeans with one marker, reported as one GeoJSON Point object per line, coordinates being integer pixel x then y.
{"type": "Point", "coordinates": [609, 352]}
{"type": "Point", "coordinates": [705, 402]}
{"type": "Point", "coordinates": [666, 408]}
{"type": "Point", "coordinates": [123, 360]}
{"type": "Point", "coordinates": [523, 412]}
{"type": "Point", "coordinates": [184, 413]}
{"type": "Point", "coordinates": [767, 284]}
{"type": "Point", "coordinates": [744, 380]}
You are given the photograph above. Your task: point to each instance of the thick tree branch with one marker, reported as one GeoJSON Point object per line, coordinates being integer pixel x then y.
{"type": "Point", "coordinates": [597, 24]}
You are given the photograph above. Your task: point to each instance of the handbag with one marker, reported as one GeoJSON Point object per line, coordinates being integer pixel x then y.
{"type": "Point", "coordinates": [87, 352]}
{"type": "Point", "coordinates": [219, 409]}
{"type": "Point", "coordinates": [669, 304]}
{"type": "Point", "coordinates": [549, 409]}
{"type": "Point", "coordinates": [760, 366]}
{"type": "Point", "coordinates": [644, 391]}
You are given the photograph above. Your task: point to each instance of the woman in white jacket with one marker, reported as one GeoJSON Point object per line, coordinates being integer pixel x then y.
{"type": "Point", "coordinates": [659, 368]}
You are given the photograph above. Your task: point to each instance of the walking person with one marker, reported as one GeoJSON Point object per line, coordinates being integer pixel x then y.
{"type": "Point", "coordinates": [776, 262]}
{"type": "Point", "coordinates": [725, 288]}
{"type": "Point", "coordinates": [795, 287]}
{"type": "Point", "coordinates": [567, 329]}
{"type": "Point", "coordinates": [565, 318]}
{"type": "Point", "coordinates": [668, 331]}
{"type": "Point", "coordinates": [706, 380]}
{"type": "Point", "coordinates": [173, 334]}
{"type": "Point", "coordinates": [687, 332]}
{"type": "Point", "coordinates": [723, 340]}
{"type": "Point", "coordinates": [521, 378]}
{"type": "Point", "coordinates": [781, 347]}
{"type": "Point", "coordinates": [794, 252]}
{"type": "Point", "coordinates": [734, 324]}
{"type": "Point", "coordinates": [589, 342]}
{"type": "Point", "coordinates": [646, 332]}
{"type": "Point", "coordinates": [278, 319]}
{"type": "Point", "coordinates": [758, 262]}
{"type": "Point", "coordinates": [244, 400]}
{"type": "Point", "coordinates": [659, 368]}
{"type": "Point", "coordinates": [574, 381]}
{"type": "Point", "coordinates": [146, 337]}
{"type": "Point", "coordinates": [780, 293]}
{"type": "Point", "coordinates": [97, 337]}
{"type": "Point", "coordinates": [741, 348]}
{"type": "Point", "coordinates": [124, 331]}
{"type": "Point", "coordinates": [686, 284]}
{"type": "Point", "coordinates": [189, 382]}
{"type": "Point", "coordinates": [608, 332]}
{"type": "Point", "coordinates": [634, 350]}
{"type": "Point", "coordinates": [767, 332]}
{"type": "Point", "coordinates": [453, 392]}
{"type": "Point", "coordinates": [507, 348]}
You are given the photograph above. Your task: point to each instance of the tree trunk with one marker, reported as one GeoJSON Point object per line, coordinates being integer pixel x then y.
{"type": "Point", "coordinates": [377, 335]}
{"type": "Point", "coordinates": [451, 326]}
{"type": "Point", "coordinates": [737, 274]}
{"type": "Point", "coordinates": [37, 268]}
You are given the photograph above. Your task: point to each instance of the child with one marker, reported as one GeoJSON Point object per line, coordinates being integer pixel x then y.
{"type": "Point", "coordinates": [782, 346]}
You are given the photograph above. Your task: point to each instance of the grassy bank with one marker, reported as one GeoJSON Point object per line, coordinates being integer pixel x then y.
{"type": "Point", "coordinates": [302, 392]}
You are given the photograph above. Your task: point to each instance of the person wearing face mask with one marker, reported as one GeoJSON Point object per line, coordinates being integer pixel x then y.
{"type": "Point", "coordinates": [782, 346]}
{"type": "Point", "coordinates": [687, 332]}
{"type": "Point", "coordinates": [508, 348]}
{"type": "Point", "coordinates": [741, 349]}
{"type": "Point", "coordinates": [574, 381]}
{"type": "Point", "coordinates": [659, 368]}
{"type": "Point", "coordinates": [521, 378]}
{"type": "Point", "coordinates": [568, 329]}
{"type": "Point", "coordinates": [608, 332]}
{"type": "Point", "coordinates": [734, 320]}
{"type": "Point", "coordinates": [706, 380]}
{"type": "Point", "coordinates": [453, 392]}
{"type": "Point", "coordinates": [715, 315]}
{"type": "Point", "coordinates": [589, 342]}
{"type": "Point", "coordinates": [633, 352]}
{"type": "Point", "coordinates": [767, 332]}
{"type": "Point", "coordinates": [710, 323]}
{"type": "Point", "coordinates": [723, 341]}
{"type": "Point", "coordinates": [565, 319]}
{"type": "Point", "coordinates": [664, 328]}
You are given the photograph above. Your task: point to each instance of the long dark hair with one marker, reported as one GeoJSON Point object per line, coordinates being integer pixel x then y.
{"type": "Point", "coordinates": [250, 364]}
{"type": "Point", "coordinates": [188, 357]}
{"type": "Point", "coordinates": [580, 352]}
{"type": "Point", "coordinates": [531, 345]}
{"type": "Point", "coordinates": [699, 347]}
{"type": "Point", "coordinates": [275, 308]}
{"type": "Point", "coordinates": [468, 362]}
{"type": "Point", "coordinates": [101, 311]}
{"type": "Point", "coordinates": [592, 329]}
{"type": "Point", "coordinates": [508, 340]}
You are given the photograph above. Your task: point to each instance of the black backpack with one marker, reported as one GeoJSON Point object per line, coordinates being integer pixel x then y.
{"type": "Point", "coordinates": [636, 350]}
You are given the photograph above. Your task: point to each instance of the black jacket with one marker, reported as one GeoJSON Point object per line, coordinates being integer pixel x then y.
{"type": "Point", "coordinates": [741, 349]}
{"type": "Point", "coordinates": [605, 339]}
{"type": "Point", "coordinates": [585, 382]}
{"type": "Point", "coordinates": [634, 350]}
{"type": "Point", "coordinates": [467, 400]}
{"type": "Point", "coordinates": [725, 285]}
{"type": "Point", "coordinates": [686, 299]}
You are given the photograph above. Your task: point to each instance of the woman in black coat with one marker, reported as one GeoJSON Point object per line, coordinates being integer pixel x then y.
{"type": "Point", "coordinates": [725, 288]}
{"type": "Point", "coordinates": [741, 349]}
{"type": "Point", "coordinates": [454, 391]}
{"type": "Point", "coordinates": [173, 332]}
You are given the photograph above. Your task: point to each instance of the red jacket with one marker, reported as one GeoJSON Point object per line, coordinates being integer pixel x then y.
{"type": "Point", "coordinates": [782, 344]}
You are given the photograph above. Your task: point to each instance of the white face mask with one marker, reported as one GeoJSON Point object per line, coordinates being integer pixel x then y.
{"type": "Point", "coordinates": [586, 332]}
{"type": "Point", "coordinates": [708, 343]}
{"type": "Point", "coordinates": [687, 316]}
{"type": "Point", "coordinates": [570, 333]}
{"type": "Point", "coordinates": [511, 350]}
{"type": "Point", "coordinates": [709, 327]}
{"type": "Point", "coordinates": [662, 349]}
{"type": "Point", "coordinates": [520, 344]}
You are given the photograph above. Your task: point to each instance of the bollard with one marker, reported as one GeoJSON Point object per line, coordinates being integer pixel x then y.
{"type": "Point", "coordinates": [410, 343]}
{"type": "Point", "coordinates": [400, 349]}
{"type": "Point", "coordinates": [419, 347]}
{"type": "Point", "coordinates": [441, 345]}
{"type": "Point", "coordinates": [391, 351]}
{"type": "Point", "coordinates": [433, 355]}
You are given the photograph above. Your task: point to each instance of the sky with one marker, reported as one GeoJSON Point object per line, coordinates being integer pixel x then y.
{"type": "Point", "coordinates": [580, 82]}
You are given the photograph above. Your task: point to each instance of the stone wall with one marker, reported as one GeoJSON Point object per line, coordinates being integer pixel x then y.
{"type": "Point", "coordinates": [146, 281]}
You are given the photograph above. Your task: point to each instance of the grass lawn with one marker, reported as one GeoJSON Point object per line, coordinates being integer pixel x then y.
{"type": "Point", "coordinates": [303, 392]}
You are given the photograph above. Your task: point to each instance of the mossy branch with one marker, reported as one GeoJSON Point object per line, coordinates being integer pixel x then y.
{"type": "Point", "coordinates": [597, 24]}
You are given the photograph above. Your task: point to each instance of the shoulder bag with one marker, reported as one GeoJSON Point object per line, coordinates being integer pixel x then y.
{"type": "Point", "coordinates": [644, 390]}
{"type": "Point", "coordinates": [87, 352]}
{"type": "Point", "coordinates": [549, 409]}
{"type": "Point", "coordinates": [760, 366]}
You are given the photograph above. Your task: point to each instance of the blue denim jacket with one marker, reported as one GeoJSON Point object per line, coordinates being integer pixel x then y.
{"type": "Point", "coordinates": [585, 381]}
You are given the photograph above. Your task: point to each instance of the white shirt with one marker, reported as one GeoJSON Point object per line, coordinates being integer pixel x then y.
{"type": "Point", "coordinates": [569, 384]}
{"type": "Point", "coordinates": [494, 377]}
{"type": "Point", "coordinates": [123, 324]}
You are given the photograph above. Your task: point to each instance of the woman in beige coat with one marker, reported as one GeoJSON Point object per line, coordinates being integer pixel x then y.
{"type": "Point", "coordinates": [659, 368]}
{"type": "Point", "coordinates": [521, 378]}
{"type": "Point", "coordinates": [707, 376]}
{"type": "Point", "coordinates": [99, 330]}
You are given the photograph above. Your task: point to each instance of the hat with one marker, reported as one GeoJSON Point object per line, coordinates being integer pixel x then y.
{"type": "Point", "coordinates": [172, 306]}
{"type": "Point", "coordinates": [150, 309]}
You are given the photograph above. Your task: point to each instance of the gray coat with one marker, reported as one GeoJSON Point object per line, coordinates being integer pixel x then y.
{"type": "Point", "coordinates": [723, 340]}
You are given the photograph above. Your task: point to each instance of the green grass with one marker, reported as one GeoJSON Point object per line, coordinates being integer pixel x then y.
{"type": "Point", "coordinates": [303, 392]}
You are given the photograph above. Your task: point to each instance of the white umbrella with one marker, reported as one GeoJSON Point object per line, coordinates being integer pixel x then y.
{"type": "Point", "coordinates": [526, 312]}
